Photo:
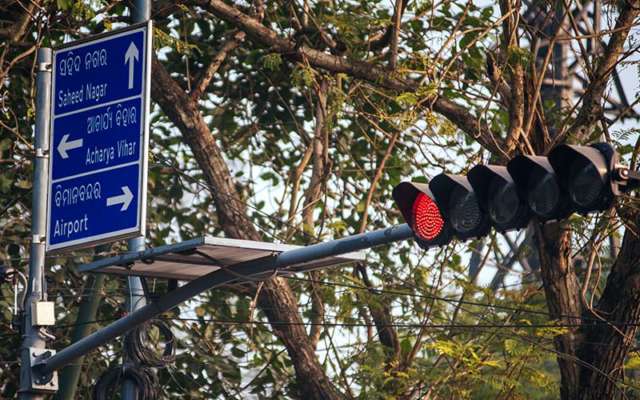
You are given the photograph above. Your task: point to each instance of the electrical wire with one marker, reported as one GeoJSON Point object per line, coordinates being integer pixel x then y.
{"type": "Point", "coordinates": [146, 382]}
{"type": "Point", "coordinates": [423, 296]}
{"type": "Point", "coordinates": [403, 325]}
{"type": "Point", "coordinates": [138, 344]}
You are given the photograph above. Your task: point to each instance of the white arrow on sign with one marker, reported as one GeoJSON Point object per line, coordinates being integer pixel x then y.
{"type": "Point", "coordinates": [131, 56]}
{"type": "Point", "coordinates": [66, 144]}
{"type": "Point", "coordinates": [124, 199]}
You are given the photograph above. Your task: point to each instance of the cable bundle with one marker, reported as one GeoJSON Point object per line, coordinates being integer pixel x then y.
{"type": "Point", "coordinates": [138, 345]}
{"type": "Point", "coordinates": [145, 380]}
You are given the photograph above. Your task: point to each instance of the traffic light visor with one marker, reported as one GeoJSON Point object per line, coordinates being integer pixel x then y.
{"type": "Point", "coordinates": [498, 196]}
{"type": "Point", "coordinates": [584, 171]}
{"type": "Point", "coordinates": [459, 205]}
{"type": "Point", "coordinates": [538, 184]}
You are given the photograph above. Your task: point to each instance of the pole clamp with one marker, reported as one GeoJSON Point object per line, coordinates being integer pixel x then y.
{"type": "Point", "coordinates": [38, 239]}
{"type": "Point", "coordinates": [42, 153]}
{"type": "Point", "coordinates": [44, 67]}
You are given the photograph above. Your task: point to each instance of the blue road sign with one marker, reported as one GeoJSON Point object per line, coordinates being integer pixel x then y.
{"type": "Point", "coordinates": [99, 139]}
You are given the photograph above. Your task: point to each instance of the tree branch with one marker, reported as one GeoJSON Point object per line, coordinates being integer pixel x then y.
{"type": "Point", "coordinates": [591, 110]}
{"type": "Point", "coordinates": [205, 78]}
{"type": "Point", "coordinates": [562, 294]}
{"type": "Point", "coordinates": [456, 113]}
{"type": "Point", "coordinates": [395, 35]}
{"type": "Point", "coordinates": [276, 299]}
{"type": "Point", "coordinates": [381, 41]}
{"type": "Point", "coordinates": [612, 329]}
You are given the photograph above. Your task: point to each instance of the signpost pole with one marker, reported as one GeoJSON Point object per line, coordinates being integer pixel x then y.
{"type": "Point", "coordinates": [141, 11]}
{"type": "Point", "coordinates": [32, 335]}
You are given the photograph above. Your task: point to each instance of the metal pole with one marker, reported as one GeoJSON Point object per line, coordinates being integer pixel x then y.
{"type": "Point", "coordinates": [140, 12]}
{"type": "Point", "coordinates": [88, 309]}
{"type": "Point", "coordinates": [221, 277]}
{"type": "Point", "coordinates": [135, 301]}
{"type": "Point", "coordinates": [32, 337]}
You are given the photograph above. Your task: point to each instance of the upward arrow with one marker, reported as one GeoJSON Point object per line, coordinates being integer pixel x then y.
{"type": "Point", "coordinates": [131, 56]}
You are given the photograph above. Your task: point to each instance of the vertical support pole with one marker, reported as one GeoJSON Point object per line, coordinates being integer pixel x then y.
{"type": "Point", "coordinates": [140, 12]}
{"type": "Point", "coordinates": [135, 301]}
{"type": "Point", "coordinates": [88, 309]}
{"type": "Point", "coordinates": [32, 336]}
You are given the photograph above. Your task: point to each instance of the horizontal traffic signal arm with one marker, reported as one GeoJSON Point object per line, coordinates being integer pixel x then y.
{"type": "Point", "coordinates": [570, 179]}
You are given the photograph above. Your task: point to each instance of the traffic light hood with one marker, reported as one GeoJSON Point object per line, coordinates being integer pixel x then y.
{"type": "Point", "coordinates": [586, 173]}
{"type": "Point", "coordinates": [459, 206]}
{"type": "Point", "coordinates": [538, 186]}
{"type": "Point", "coordinates": [498, 196]}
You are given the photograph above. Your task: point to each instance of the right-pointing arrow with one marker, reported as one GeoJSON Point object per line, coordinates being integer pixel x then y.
{"type": "Point", "coordinates": [66, 144]}
{"type": "Point", "coordinates": [124, 199]}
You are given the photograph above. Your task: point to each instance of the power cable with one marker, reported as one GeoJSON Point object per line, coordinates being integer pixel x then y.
{"type": "Point", "coordinates": [146, 382]}
{"type": "Point", "coordinates": [441, 298]}
{"type": "Point", "coordinates": [138, 345]}
{"type": "Point", "coordinates": [402, 325]}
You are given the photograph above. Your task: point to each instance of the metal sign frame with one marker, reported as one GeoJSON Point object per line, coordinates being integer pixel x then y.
{"type": "Point", "coordinates": [141, 161]}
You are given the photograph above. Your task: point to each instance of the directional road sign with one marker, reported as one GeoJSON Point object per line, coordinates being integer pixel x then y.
{"type": "Point", "coordinates": [99, 139]}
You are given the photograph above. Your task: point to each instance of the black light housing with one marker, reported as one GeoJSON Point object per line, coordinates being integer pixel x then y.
{"type": "Point", "coordinates": [459, 206]}
{"type": "Point", "coordinates": [498, 197]}
{"type": "Point", "coordinates": [419, 209]}
{"type": "Point", "coordinates": [586, 174]}
{"type": "Point", "coordinates": [571, 179]}
{"type": "Point", "coordinates": [539, 187]}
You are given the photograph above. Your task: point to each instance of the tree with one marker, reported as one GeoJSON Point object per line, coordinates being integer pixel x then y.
{"type": "Point", "coordinates": [324, 106]}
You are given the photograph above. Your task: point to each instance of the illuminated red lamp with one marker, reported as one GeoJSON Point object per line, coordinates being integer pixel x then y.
{"type": "Point", "coordinates": [421, 212]}
{"type": "Point", "coordinates": [427, 220]}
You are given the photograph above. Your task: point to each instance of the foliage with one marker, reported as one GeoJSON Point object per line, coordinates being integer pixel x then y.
{"type": "Point", "coordinates": [457, 338]}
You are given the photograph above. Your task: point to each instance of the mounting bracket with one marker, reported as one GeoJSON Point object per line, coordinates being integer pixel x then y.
{"type": "Point", "coordinates": [42, 382]}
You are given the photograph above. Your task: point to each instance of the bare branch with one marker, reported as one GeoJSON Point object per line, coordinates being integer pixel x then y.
{"type": "Point", "coordinates": [395, 35]}
{"type": "Point", "coordinates": [591, 109]}
{"type": "Point", "coordinates": [206, 76]}
{"type": "Point", "coordinates": [381, 41]}
{"type": "Point", "coordinates": [456, 113]}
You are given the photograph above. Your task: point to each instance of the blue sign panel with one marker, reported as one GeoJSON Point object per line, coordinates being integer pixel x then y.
{"type": "Point", "coordinates": [98, 145]}
{"type": "Point", "coordinates": [99, 72]}
{"type": "Point", "coordinates": [95, 139]}
{"type": "Point", "coordinates": [112, 193]}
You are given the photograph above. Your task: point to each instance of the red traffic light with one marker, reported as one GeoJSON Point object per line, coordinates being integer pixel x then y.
{"type": "Point", "coordinates": [428, 222]}
{"type": "Point", "coordinates": [420, 211]}
{"type": "Point", "coordinates": [572, 178]}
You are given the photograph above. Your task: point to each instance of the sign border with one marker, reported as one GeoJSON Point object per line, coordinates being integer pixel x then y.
{"type": "Point", "coordinates": [143, 159]}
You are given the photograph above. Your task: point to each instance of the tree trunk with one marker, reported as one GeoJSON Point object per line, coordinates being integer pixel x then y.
{"type": "Point", "coordinates": [276, 298]}
{"type": "Point", "coordinates": [562, 293]}
{"type": "Point", "coordinates": [610, 330]}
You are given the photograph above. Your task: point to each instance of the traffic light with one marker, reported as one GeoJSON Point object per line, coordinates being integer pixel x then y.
{"type": "Point", "coordinates": [419, 209]}
{"type": "Point", "coordinates": [459, 205]}
{"type": "Point", "coordinates": [571, 179]}
{"type": "Point", "coordinates": [587, 173]}
{"type": "Point", "coordinates": [498, 197]}
{"type": "Point", "coordinates": [538, 186]}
